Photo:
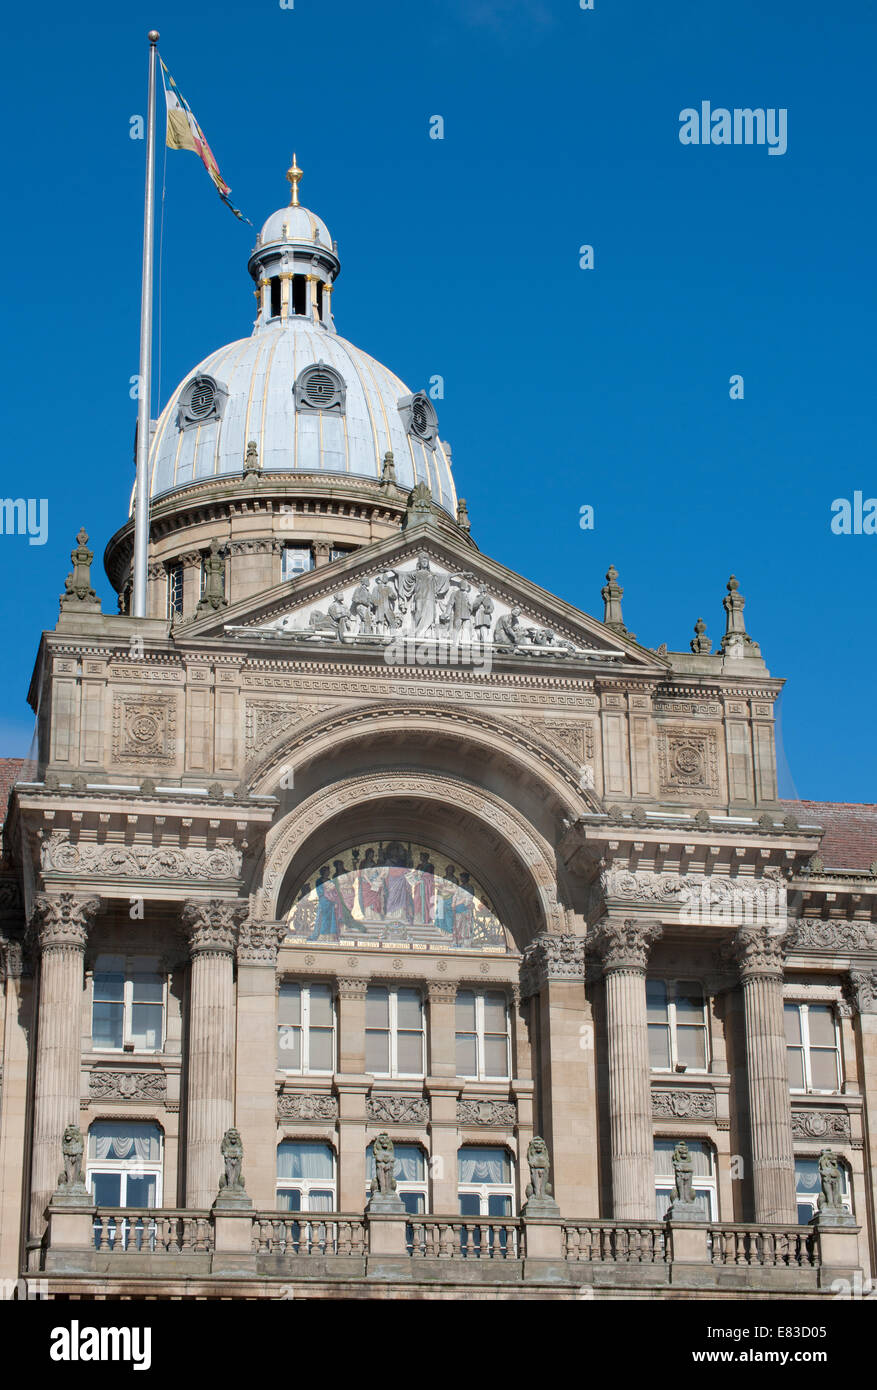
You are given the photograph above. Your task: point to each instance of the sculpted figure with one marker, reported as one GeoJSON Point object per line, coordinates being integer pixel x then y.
{"type": "Point", "coordinates": [232, 1151]}
{"type": "Point", "coordinates": [540, 1164]}
{"type": "Point", "coordinates": [482, 616]}
{"type": "Point", "coordinates": [422, 589]}
{"type": "Point", "coordinates": [338, 615]}
{"type": "Point", "coordinates": [384, 597]}
{"type": "Point", "coordinates": [362, 607]}
{"type": "Point", "coordinates": [384, 1181]}
{"type": "Point", "coordinates": [829, 1177]}
{"type": "Point", "coordinates": [72, 1149]}
{"type": "Point", "coordinates": [683, 1173]}
{"type": "Point", "coordinates": [508, 632]}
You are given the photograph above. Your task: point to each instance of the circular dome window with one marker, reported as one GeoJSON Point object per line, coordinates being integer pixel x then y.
{"type": "Point", "coordinates": [319, 388]}
{"type": "Point", "coordinates": [200, 400]}
{"type": "Point", "coordinates": [419, 417]}
{"type": "Point", "coordinates": [203, 397]}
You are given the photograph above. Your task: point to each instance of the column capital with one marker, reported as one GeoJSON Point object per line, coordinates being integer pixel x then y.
{"type": "Point", "coordinates": [351, 987]}
{"type": "Point", "coordinates": [552, 956]}
{"type": "Point", "coordinates": [63, 922]}
{"type": "Point", "coordinates": [758, 950]}
{"type": "Point", "coordinates": [212, 924]}
{"type": "Point", "coordinates": [624, 945]}
{"type": "Point", "coordinates": [860, 989]}
{"type": "Point", "coordinates": [441, 991]}
{"type": "Point", "coordinates": [259, 941]}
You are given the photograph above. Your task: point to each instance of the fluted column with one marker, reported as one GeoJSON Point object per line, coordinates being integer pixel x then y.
{"type": "Point", "coordinates": [625, 950]}
{"type": "Point", "coordinates": [255, 1111]}
{"type": "Point", "coordinates": [759, 953]}
{"type": "Point", "coordinates": [212, 929]}
{"type": "Point", "coordinates": [62, 924]}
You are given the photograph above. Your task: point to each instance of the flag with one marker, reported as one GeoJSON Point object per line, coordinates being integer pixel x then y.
{"type": "Point", "coordinates": [184, 133]}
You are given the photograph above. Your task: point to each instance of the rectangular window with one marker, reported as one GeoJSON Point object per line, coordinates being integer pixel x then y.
{"type": "Point", "coordinates": [812, 1047]}
{"type": "Point", "coordinates": [485, 1187]}
{"type": "Point", "coordinates": [305, 1176]}
{"type": "Point", "coordinates": [123, 1165]}
{"type": "Point", "coordinates": [128, 1004]}
{"type": "Point", "coordinates": [393, 1031]}
{"type": "Point", "coordinates": [808, 1187]}
{"type": "Point", "coordinates": [175, 592]}
{"type": "Point", "coordinates": [678, 1036]}
{"type": "Point", "coordinates": [410, 1174]}
{"type": "Point", "coordinates": [299, 294]}
{"type": "Point", "coordinates": [295, 560]}
{"type": "Point", "coordinates": [482, 1034]}
{"type": "Point", "coordinates": [306, 1028]}
{"type": "Point", "coordinates": [704, 1185]}
{"type": "Point", "coordinates": [275, 296]}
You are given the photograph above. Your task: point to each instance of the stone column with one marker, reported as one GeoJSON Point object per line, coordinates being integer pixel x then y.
{"type": "Point", "coordinates": [758, 950]}
{"type": "Point", "coordinates": [62, 924]}
{"type": "Point", "coordinates": [353, 1087]}
{"type": "Point", "coordinates": [554, 969]}
{"type": "Point", "coordinates": [444, 1091]}
{"type": "Point", "coordinates": [212, 929]}
{"type": "Point", "coordinates": [625, 948]}
{"type": "Point", "coordinates": [862, 994]}
{"type": "Point", "coordinates": [255, 1111]}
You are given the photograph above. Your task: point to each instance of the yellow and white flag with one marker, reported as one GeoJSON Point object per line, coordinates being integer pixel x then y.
{"type": "Point", "coordinates": [184, 133]}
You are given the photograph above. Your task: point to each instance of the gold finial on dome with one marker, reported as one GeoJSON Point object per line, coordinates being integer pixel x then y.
{"type": "Point", "coordinates": [293, 173]}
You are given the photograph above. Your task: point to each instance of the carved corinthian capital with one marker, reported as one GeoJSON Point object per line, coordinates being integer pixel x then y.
{"type": "Point", "coordinates": [212, 925]}
{"type": "Point", "coordinates": [624, 945]}
{"type": "Point", "coordinates": [758, 950]}
{"type": "Point", "coordinates": [551, 957]}
{"type": "Point", "coordinates": [861, 990]}
{"type": "Point", "coordinates": [62, 922]}
{"type": "Point", "coordinates": [259, 941]}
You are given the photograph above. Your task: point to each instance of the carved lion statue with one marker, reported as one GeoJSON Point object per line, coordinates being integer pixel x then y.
{"type": "Point", "coordinates": [540, 1164]}
{"type": "Point", "coordinates": [232, 1151]}
{"type": "Point", "coordinates": [72, 1149]}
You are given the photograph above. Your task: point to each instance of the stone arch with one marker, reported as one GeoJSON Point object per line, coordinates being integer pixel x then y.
{"type": "Point", "coordinates": [528, 875]}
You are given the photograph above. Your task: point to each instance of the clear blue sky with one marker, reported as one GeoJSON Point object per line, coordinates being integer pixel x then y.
{"type": "Point", "coordinates": [460, 257]}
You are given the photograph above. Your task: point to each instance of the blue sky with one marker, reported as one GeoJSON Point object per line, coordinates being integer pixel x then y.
{"type": "Point", "coordinates": [460, 256]}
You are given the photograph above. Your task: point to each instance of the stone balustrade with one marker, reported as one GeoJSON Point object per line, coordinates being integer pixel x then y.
{"type": "Point", "coordinates": [466, 1238]}
{"type": "Point", "coordinates": [769, 1246]}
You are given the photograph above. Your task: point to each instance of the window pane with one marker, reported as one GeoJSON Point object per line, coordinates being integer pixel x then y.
{"type": "Point", "coordinates": [289, 1004]}
{"type": "Point", "coordinates": [141, 1191]}
{"type": "Point", "coordinates": [413, 1202]}
{"type": "Point", "coordinates": [409, 1008]}
{"type": "Point", "coordinates": [499, 1205]}
{"type": "Point", "coordinates": [823, 1070]}
{"type": "Point", "coordinates": [469, 1204]}
{"type": "Point", "coordinates": [289, 1049]}
{"type": "Point", "coordinates": [659, 1045]}
{"type": "Point", "coordinates": [128, 1139]}
{"type": "Point", "coordinates": [821, 1022]}
{"type": "Point", "coordinates": [465, 1011]}
{"type": "Point", "coordinates": [107, 1189]}
{"type": "Point", "coordinates": [664, 1157]}
{"type": "Point", "coordinates": [409, 1052]}
{"type": "Point", "coordinates": [795, 1057]}
{"type": "Point", "coordinates": [320, 1201]}
{"type": "Point", "coordinates": [494, 1013]}
{"type": "Point", "coordinates": [321, 1058]}
{"type": "Point", "coordinates": [663, 1198]}
{"type": "Point", "coordinates": [691, 1046]}
{"type": "Point", "coordinates": [805, 1213]}
{"type": "Point", "coordinates": [109, 985]}
{"type": "Point", "coordinates": [321, 1005]}
{"type": "Point", "coordinates": [689, 1001]}
{"type": "Point", "coordinates": [377, 1052]}
{"type": "Point", "coordinates": [656, 1001]}
{"type": "Point", "coordinates": [296, 1159]}
{"type": "Point", "coordinates": [289, 1199]}
{"type": "Point", "coordinates": [377, 1007]}
{"type": "Point", "coordinates": [807, 1174]}
{"type": "Point", "coordinates": [410, 1163]}
{"type": "Point", "coordinates": [147, 988]}
{"type": "Point", "coordinates": [701, 1155]}
{"type": "Point", "coordinates": [146, 1022]}
{"type": "Point", "coordinates": [792, 1016]}
{"type": "Point", "coordinates": [496, 1056]}
{"type": "Point", "coordinates": [479, 1164]}
{"type": "Point", "coordinates": [466, 1063]}
{"type": "Point", "coordinates": [106, 1025]}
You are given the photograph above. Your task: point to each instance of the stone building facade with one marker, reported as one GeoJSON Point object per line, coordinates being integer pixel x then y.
{"type": "Point", "coordinates": [360, 833]}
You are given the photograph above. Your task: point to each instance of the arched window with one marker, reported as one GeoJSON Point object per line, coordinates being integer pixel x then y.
{"type": "Point", "coordinates": [808, 1188]}
{"type": "Point", "coordinates": [123, 1168]}
{"type": "Point", "coordinates": [704, 1185]}
{"type": "Point", "coordinates": [410, 1173]}
{"type": "Point", "coordinates": [305, 1176]}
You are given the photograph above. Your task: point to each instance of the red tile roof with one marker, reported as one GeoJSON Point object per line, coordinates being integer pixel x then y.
{"type": "Point", "coordinates": [9, 770]}
{"type": "Point", "coordinates": [850, 839]}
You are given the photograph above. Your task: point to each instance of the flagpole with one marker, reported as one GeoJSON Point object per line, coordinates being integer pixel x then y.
{"type": "Point", "coordinates": [141, 486]}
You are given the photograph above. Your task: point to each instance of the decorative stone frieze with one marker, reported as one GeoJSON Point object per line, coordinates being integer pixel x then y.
{"type": "Point", "coordinates": [306, 1105]}
{"type": "Point", "coordinates": [818, 934]}
{"type": "Point", "coordinates": [684, 1104]}
{"type": "Point", "coordinates": [488, 1114]}
{"type": "Point", "coordinates": [144, 729]}
{"type": "Point", "coordinates": [550, 957]}
{"type": "Point", "coordinates": [63, 922]}
{"type": "Point", "coordinates": [127, 1085]}
{"type": "Point", "coordinates": [688, 761]}
{"type": "Point", "coordinates": [212, 925]}
{"type": "Point", "coordinates": [397, 1109]}
{"type": "Point", "coordinates": [861, 990]}
{"type": "Point", "coordinates": [59, 854]}
{"type": "Point", "coordinates": [624, 945]}
{"type": "Point", "coordinates": [266, 720]}
{"type": "Point", "coordinates": [820, 1124]}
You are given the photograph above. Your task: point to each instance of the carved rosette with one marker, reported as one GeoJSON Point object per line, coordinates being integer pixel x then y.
{"type": "Point", "coordinates": [624, 945]}
{"type": "Point", "coordinates": [861, 990]}
{"type": "Point", "coordinates": [212, 925]}
{"type": "Point", "coordinates": [259, 941]}
{"type": "Point", "coordinates": [551, 957]}
{"type": "Point", "coordinates": [62, 923]}
{"type": "Point", "coordinates": [306, 1105]}
{"type": "Point", "coordinates": [758, 951]}
{"type": "Point", "coordinates": [398, 1110]}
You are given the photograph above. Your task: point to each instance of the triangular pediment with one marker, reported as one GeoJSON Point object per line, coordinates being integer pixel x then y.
{"type": "Point", "coordinates": [421, 586]}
